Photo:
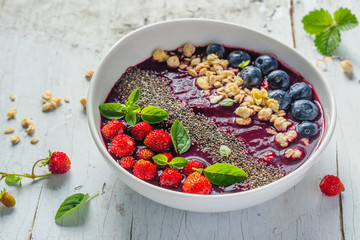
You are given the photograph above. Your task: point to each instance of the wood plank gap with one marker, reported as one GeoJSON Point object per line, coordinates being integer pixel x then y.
{"type": "Point", "coordinates": [292, 22]}
{"type": "Point", "coordinates": [340, 198]}
{"type": "Point", "coordinates": [36, 209]}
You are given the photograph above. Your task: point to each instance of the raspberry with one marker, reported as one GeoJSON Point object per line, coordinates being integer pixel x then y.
{"type": "Point", "coordinates": [140, 130]}
{"type": "Point", "coordinates": [169, 157]}
{"type": "Point", "coordinates": [7, 199]}
{"type": "Point", "coordinates": [197, 184]}
{"type": "Point", "coordinates": [127, 162]}
{"type": "Point", "coordinates": [170, 178]}
{"type": "Point", "coordinates": [145, 154]}
{"type": "Point", "coordinates": [188, 169]}
{"type": "Point", "coordinates": [122, 145]}
{"type": "Point", "coordinates": [113, 128]}
{"type": "Point", "coordinates": [58, 163]}
{"type": "Point", "coordinates": [158, 141]}
{"type": "Point", "coordinates": [331, 185]}
{"type": "Point", "coordinates": [145, 170]}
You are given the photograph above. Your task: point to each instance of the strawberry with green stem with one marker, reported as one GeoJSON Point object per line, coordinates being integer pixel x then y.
{"type": "Point", "coordinates": [7, 199]}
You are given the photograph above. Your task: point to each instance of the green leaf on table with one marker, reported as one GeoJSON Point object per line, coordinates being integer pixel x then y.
{"type": "Point", "coordinates": [317, 21]}
{"type": "Point", "coordinates": [112, 110]}
{"type": "Point", "coordinates": [228, 102]}
{"type": "Point", "coordinates": [244, 64]}
{"type": "Point", "coordinates": [153, 115]}
{"type": "Point", "coordinates": [12, 179]}
{"type": "Point", "coordinates": [224, 174]}
{"type": "Point", "coordinates": [344, 19]}
{"type": "Point", "coordinates": [328, 41]}
{"type": "Point", "coordinates": [160, 159]}
{"type": "Point", "coordinates": [225, 151]}
{"type": "Point", "coordinates": [180, 137]}
{"type": "Point", "coordinates": [131, 118]}
{"type": "Point", "coordinates": [71, 203]}
{"type": "Point", "coordinates": [134, 96]}
{"type": "Point", "coordinates": [178, 162]}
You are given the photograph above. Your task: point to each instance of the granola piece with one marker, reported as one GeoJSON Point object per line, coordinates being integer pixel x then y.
{"type": "Point", "coordinates": [160, 56]}
{"type": "Point", "coordinates": [268, 157]}
{"type": "Point", "coordinates": [243, 121]}
{"type": "Point", "coordinates": [215, 99]}
{"type": "Point", "coordinates": [271, 131]}
{"type": "Point", "coordinates": [203, 83]}
{"type": "Point", "coordinates": [188, 50]}
{"type": "Point", "coordinates": [66, 99]}
{"type": "Point", "coordinates": [34, 140]}
{"type": "Point", "coordinates": [26, 122]}
{"type": "Point", "coordinates": [281, 124]}
{"type": "Point", "coordinates": [15, 139]}
{"type": "Point", "coordinates": [293, 154]}
{"type": "Point", "coordinates": [281, 140]}
{"type": "Point", "coordinates": [347, 66]}
{"type": "Point", "coordinates": [291, 135]}
{"type": "Point", "coordinates": [12, 113]}
{"type": "Point", "coordinates": [192, 72]}
{"type": "Point", "coordinates": [9, 130]}
{"type": "Point", "coordinates": [46, 96]}
{"type": "Point", "coordinates": [243, 112]}
{"type": "Point", "coordinates": [89, 74]}
{"type": "Point", "coordinates": [31, 129]}
{"type": "Point", "coordinates": [273, 104]}
{"type": "Point", "coordinates": [12, 97]}
{"type": "Point", "coordinates": [305, 141]}
{"type": "Point", "coordinates": [173, 61]}
{"type": "Point", "coordinates": [265, 114]}
{"type": "Point", "coordinates": [83, 101]}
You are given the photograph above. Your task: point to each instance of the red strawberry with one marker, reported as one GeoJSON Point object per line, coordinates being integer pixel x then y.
{"type": "Point", "coordinates": [188, 169]}
{"type": "Point", "coordinates": [158, 141]}
{"type": "Point", "coordinates": [197, 184]}
{"type": "Point", "coordinates": [170, 178]}
{"type": "Point", "coordinates": [58, 163]}
{"type": "Point", "coordinates": [145, 154]}
{"type": "Point", "coordinates": [145, 170]}
{"type": "Point", "coordinates": [113, 128]}
{"type": "Point", "coordinates": [7, 199]}
{"type": "Point", "coordinates": [140, 130]}
{"type": "Point", "coordinates": [331, 185]}
{"type": "Point", "coordinates": [122, 145]}
{"type": "Point", "coordinates": [169, 157]}
{"type": "Point", "coordinates": [127, 162]}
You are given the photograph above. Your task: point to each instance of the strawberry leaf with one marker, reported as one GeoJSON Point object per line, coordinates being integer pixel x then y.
{"type": "Point", "coordinates": [178, 162]}
{"type": "Point", "coordinates": [344, 19]}
{"type": "Point", "coordinates": [12, 179]}
{"type": "Point", "coordinates": [224, 174]}
{"type": "Point", "coordinates": [317, 21]}
{"type": "Point", "coordinates": [328, 41]}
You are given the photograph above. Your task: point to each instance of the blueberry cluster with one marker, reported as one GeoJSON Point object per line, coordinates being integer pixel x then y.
{"type": "Point", "coordinates": [297, 96]}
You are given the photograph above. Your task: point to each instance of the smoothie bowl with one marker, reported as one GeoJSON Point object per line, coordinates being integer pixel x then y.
{"type": "Point", "coordinates": [208, 116]}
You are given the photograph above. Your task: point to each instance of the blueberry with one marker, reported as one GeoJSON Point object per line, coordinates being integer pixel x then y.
{"type": "Point", "coordinates": [252, 76]}
{"type": "Point", "coordinates": [279, 79]}
{"type": "Point", "coordinates": [304, 110]}
{"type": "Point", "coordinates": [282, 97]}
{"type": "Point", "coordinates": [266, 64]}
{"type": "Point", "coordinates": [300, 90]}
{"type": "Point", "coordinates": [237, 57]}
{"type": "Point", "coordinates": [308, 129]}
{"type": "Point", "coordinates": [216, 49]}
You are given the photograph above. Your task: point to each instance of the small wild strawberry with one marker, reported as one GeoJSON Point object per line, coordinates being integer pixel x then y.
{"type": "Point", "coordinates": [58, 163]}
{"type": "Point", "coordinates": [331, 185]}
{"type": "Point", "coordinates": [7, 199]}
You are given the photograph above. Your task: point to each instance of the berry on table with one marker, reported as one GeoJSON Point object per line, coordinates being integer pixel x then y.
{"type": "Point", "coordinates": [216, 49]}
{"type": "Point", "coordinates": [266, 63]}
{"type": "Point", "coordinates": [145, 154]}
{"type": "Point", "coordinates": [237, 57]}
{"type": "Point", "coordinates": [158, 141]}
{"type": "Point", "coordinates": [140, 130]}
{"type": "Point", "coordinates": [145, 170]}
{"type": "Point", "coordinates": [300, 90]}
{"type": "Point", "coordinates": [282, 97]}
{"type": "Point", "coordinates": [252, 76]}
{"type": "Point", "coordinates": [7, 199]}
{"type": "Point", "coordinates": [304, 110]}
{"type": "Point", "coordinates": [279, 79]}
{"type": "Point", "coordinates": [122, 145]}
{"type": "Point", "coordinates": [170, 178]}
{"type": "Point", "coordinates": [58, 163]}
{"type": "Point", "coordinates": [188, 169]}
{"type": "Point", "coordinates": [197, 184]}
{"type": "Point", "coordinates": [127, 162]}
{"type": "Point", "coordinates": [113, 128]}
{"type": "Point", "coordinates": [308, 129]}
{"type": "Point", "coordinates": [331, 185]}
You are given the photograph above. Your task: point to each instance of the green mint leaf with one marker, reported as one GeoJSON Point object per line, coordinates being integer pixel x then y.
{"type": "Point", "coordinates": [317, 21]}
{"type": "Point", "coordinates": [71, 203]}
{"type": "Point", "coordinates": [112, 110]}
{"type": "Point", "coordinates": [225, 151]}
{"type": "Point", "coordinates": [133, 108]}
{"type": "Point", "coordinates": [180, 137]}
{"type": "Point", "coordinates": [228, 102]}
{"type": "Point", "coordinates": [131, 118]}
{"type": "Point", "coordinates": [344, 19]}
{"type": "Point", "coordinates": [224, 174]}
{"type": "Point", "coordinates": [178, 162]}
{"type": "Point", "coordinates": [134, 96]}
{"type": "Point", "coordinates": [244, 64]}
{"type": "Point", "coordinates": [160, 159]}
{"type": "Point", "coordinates": [12, 179]}
{"type": "Point", "coordinates": [153, 115]}
{"type": "Point", "coordinates": [328, 41]}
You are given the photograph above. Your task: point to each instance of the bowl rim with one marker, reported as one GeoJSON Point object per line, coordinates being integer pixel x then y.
{"type": "Point", "coordinates": [307, 165]}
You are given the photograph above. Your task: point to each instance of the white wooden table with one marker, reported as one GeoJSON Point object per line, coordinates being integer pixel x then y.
{"type": "Point", "coordinates": [49, 44]}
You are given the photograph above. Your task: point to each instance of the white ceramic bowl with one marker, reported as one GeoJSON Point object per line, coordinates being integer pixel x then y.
{"type": "Point", "coordinates": [139, 45]}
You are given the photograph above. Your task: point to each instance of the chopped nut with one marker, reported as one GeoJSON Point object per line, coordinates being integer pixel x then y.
{"type": "Point", "coordinates": [30, 129]}
{"type": "Point", "coordinates": [26, 122]}
{"type": "Point", "coordinates": [188, 50]}
{"type": "Point", "coordinates": [46, 107]}
{"type": "Point", "coordinates": [305, 141]}
{"type": "Point", "coordinates": [347, 66]}
{"type": "Point", "coordinates": [216, 99]}
{"type": "Point", "coordinates": [160, 56]}
{"type": "Point", "coordinates": [83, 101]}
{"type": "Point", "coordinates": [12, 113]}
{"type": "Point", "coordinates": [34, 140]}
{"type": "Point", "coordinates": [15, 139]}
{"type": "Point", "coordinates": [203, 83]}
{"type": "Point", "coordinates": [173, 61]}
{"type": "Point", "coordinates": [89, 74]}
{"type": "Point", "coordinates": [281, 140]}
{"type": "Point", "coordinates": [67, 99]}
{"type": "Point", "coordinates": [12, 97]}
{"type": "Point", "coordinates": [9, 130]}
{"type": "Point", "coordinates": [46, 96]}
{"type": "Point", "coordinates": [192, 72]}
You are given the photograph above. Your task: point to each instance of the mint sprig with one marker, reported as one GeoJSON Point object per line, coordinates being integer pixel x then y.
{"type": "Point", "coordinates": [177, 162]}
{"type": "Point", "coordinates": [132, 112]}
{"type": "Point", "coordinates": [327, 29]}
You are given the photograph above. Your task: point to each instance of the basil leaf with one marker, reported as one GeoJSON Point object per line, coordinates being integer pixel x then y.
{"type": "Point", "coordinates": [134, 96]}
{"type": "Point", "coordinates": [180, 137]}
{"type": "Point", "coordinates": [178, 162]}
{"type": "Point", "coordinates": [131, 118]}
{"type": "Point", "coordinates": [112, 110]}
{"type": "Point", "coordinates": [224, 174]}
{"type": "Point", "coordinates": [153, 115]}
{"type": "Point", "coordinates": [12, 179]}
{"type": "Point", "coordinates": [227, 102]}
{"type": "Point", "coordinates": [244, 64]}
{"type": "Point", "coordinates": [160, 159]}
{"type": "Point", "coordinates": [71, 203]}
{"type": "Point", "coordinates": [225, 151]}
